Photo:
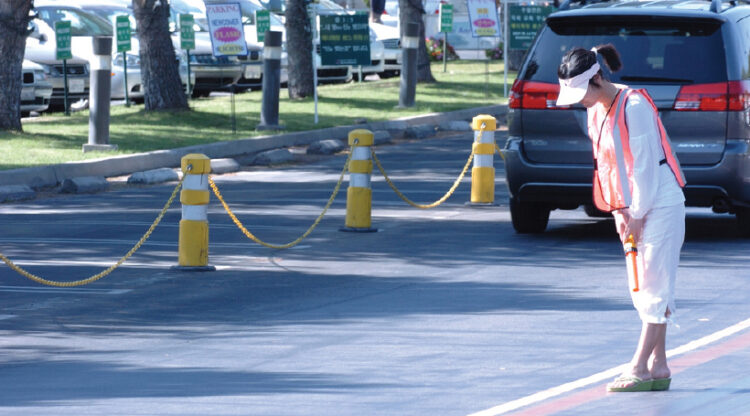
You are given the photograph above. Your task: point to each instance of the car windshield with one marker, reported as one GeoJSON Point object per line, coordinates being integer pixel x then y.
{"type": "Point", "coordinates": [653, 52]}
{"type": "Point", "coordinates": [248, 14]}
{"type": "Point", "coordinates": [81, 23]}
{"type": "Point", "coordinates": [110, 12]}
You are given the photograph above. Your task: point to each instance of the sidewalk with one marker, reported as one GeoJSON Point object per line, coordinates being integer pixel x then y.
{"type": "Point", "coordinates": [54, 175]}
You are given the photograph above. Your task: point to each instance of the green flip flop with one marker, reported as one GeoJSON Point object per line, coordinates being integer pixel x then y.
{"type": "Point", "coordinates": [661, 384]}
{"type": "Point", "coordinates": [636, 384]}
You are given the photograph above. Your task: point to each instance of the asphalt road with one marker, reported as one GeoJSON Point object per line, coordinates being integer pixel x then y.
{"type": "Point", "coordinates": [441, 312]}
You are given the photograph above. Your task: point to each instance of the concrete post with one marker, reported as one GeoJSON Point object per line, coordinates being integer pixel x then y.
{"type": "Point", "coordinates": [269, 112]}
{"type": "Point", "coordinates": [410, 45]}
{"type": "Point", "coordinates": [483, 171]}
{"type": "Point", "coordinates": [100, 88]}
{"type": "Point", "coordinates": [359, 193]}
{"type": "Point", "coordinates": [193, 238]}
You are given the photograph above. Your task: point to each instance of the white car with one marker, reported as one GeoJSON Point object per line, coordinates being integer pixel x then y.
{"type": "Point", "coordinates": [392, 52]}
{"type": "Point", "coordinates": [108, 10]}
{"type": "Point", "coordinates": [377, 48]}
{"type": "Point", "coordinates": [35, 89]}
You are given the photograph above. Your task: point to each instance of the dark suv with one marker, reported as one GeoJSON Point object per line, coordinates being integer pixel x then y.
{"type": "Point", "coordinates": [692, 56]}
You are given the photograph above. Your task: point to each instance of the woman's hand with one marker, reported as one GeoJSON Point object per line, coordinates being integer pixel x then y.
{"type": "Point", "coordinates": [627, 225]}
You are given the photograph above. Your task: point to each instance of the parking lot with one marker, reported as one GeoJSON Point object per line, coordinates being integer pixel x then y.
{"type": "Point", "coordinates": [441, 312]}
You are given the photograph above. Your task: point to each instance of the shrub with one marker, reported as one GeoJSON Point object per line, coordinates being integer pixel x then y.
{"type": "Point", "coordinates": [495, 53]}
{"type": "Point", "coordinates": [435, 49]}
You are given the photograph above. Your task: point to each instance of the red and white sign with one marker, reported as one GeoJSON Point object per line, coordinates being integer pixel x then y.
{"type": "Point", "coordinates": [225, 24]}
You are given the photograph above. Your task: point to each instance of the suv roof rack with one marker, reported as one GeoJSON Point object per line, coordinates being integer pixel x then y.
{"type": "Point", "coordinates": [716, 4]}
{"type": "Point", "coordinates": [565, 5]}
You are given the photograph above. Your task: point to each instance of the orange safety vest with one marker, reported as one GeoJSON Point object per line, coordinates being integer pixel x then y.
{"type": "Point", "coordinates": [613, 160]}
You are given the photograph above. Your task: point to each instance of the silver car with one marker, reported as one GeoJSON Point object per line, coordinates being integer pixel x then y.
{"type": "Point", "coordinates": [35, 89]}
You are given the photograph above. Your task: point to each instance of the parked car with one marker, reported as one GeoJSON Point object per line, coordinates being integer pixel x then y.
{"type": "Point", "coordinates": [36, 90]}
{"type": "Point", "coordinates": [377, 49]}
{"type": "Point", "coordinates": [692, 59]}
{"type": "Point", "coordinates": [40, 48]}
{"type": "Point", "coordinates": [108, 10]}
{"type": "Point", "coordinates": [392, 52]}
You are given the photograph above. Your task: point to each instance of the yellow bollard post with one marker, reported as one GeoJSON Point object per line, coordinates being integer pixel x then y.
{"type": "Point", "coordinates": [193, 239]}
{"type": "Point", "coordinates": [483, 171]}
{"type": "Point", "coordinates": [359, 193]}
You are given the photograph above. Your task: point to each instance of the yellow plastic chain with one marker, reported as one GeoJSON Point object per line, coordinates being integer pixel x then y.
{"type": "Point", "coordinates": [500, 152]}
{"type": "Point", "coordinates": [250, 235]}
{"type": "Point", "coordinates": [110, 269]}
{"type": "Point", "coordinates": [444, 197]}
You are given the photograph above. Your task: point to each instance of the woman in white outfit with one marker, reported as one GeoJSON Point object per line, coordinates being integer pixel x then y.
{"type": "Point", "coordinates": [638, 179]}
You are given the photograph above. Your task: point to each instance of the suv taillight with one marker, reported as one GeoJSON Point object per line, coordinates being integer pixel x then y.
{"type": "Point", "coordinates": [719, 96]}
{"type": "Point", "coordinates": [534, 95]}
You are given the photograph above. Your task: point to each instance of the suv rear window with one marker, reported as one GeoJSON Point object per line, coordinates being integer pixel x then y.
{"type": "Point", "coordinates": [653, 51]}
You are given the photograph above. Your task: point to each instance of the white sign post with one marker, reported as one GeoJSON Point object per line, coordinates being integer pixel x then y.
{"type": "Point", "coordinates": [484, 22]}
{"type": "Point", "coordinates": [227, 36]}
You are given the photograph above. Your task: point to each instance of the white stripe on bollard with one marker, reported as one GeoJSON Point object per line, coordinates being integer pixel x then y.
{"type": "Point", "coordinates": [484, 161]}
{"type": "Point", "coordinates": [359, 180]}
{"type": "Point", "coordinates": [195, 182]}
{"type": "Point", "coordinates": [194, 212]}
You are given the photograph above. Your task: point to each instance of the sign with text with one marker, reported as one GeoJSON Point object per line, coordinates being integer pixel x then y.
{"type": "Point", "coordinates": [122, 25]}
{"type": "Point", "coordinates": [187, 32]}
{"type": "Point", "coordinates": [483, 18]}
{"type": "Point", "coordinates": [525, 22]}
{"type": "Point", "coordinates": [446, 17]}
{"type": "Point", "coordinates": [62, 40]}
{"type": "Point", "coordinates": [262, 23]}
{"type": "Point", "coordinates": [227, 31]}
{"type": "Point", "coordinates": [345, 39]}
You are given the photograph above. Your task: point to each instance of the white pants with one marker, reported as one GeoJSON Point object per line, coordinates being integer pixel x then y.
{"type": "Point", "coordinates": [658, 257]}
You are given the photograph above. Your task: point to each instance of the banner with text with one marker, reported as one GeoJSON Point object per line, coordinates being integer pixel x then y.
{"type": "Point", "coordinates": [227, 32]}
{"type": "Point", "coordinates": [345, 39]}
{"type": "Point", "coordinates": [525, 22]}
{"type": "Point", "coordinates": [483, 18]}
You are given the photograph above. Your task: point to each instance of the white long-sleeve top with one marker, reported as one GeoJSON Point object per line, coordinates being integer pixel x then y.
{"type": "Point", "coordinates": [654, 185]}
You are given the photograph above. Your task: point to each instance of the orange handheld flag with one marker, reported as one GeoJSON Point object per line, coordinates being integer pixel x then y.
{"type": "Point", "coordinates": [631, 254]}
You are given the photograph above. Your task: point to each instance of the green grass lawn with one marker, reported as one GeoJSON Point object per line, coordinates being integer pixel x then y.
{"type": "Point", "coordinates": [54, 138]}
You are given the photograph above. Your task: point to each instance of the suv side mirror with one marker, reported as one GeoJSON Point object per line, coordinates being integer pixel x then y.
{"type": "Point", "coordinates": [35, 33]}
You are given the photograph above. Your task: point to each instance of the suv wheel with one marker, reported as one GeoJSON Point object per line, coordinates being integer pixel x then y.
{"type": "Point", "coordinates": [743, 221]}
{"type": "Point", "coordinates": [528, 217]}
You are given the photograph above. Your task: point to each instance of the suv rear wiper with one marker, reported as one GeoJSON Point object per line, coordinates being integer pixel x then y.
{"type": "Point", "coordinates": [656, 79]}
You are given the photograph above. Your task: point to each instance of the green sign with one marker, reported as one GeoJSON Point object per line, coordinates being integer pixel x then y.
{"type": "Point", "coordinates": [446, 18]}
{"type": "Point", "coordinates": [525, 22]}
{"type": "Point", "coordinates": [122, 24]}
{"type": "Point", "coordinates": [344, 39]}
{"type": "Point", "coordinates": [187, 33]}
{"type": "Point", "coordinates": [62, 40]}
{"type": "Point", "coordinates": [262, 23]}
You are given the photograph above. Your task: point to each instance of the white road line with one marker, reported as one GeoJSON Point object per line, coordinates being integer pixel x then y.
{"type": "Point", "coordinates": [45, 289]}
{"type": "Point", "coordinates": [607, 374]}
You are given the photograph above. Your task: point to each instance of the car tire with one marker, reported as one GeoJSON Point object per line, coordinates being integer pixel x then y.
{"type": "Point", "coordinates": [743, 221]}
{"type": "Point", "coordinates": [528, 217]}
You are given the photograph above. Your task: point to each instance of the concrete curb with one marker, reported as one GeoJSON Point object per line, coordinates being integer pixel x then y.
{"type": "Point", "coordinates": [49, 176]}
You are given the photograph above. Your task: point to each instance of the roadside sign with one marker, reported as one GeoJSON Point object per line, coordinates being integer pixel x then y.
{"type": "Point", "coordinates": [446, 17]}
{"type": "Point", "coordinates": [122, 23]}
{"type": "Point", "coordinates": [62, 40]}
{"type": "Point", "coordinates": [187, 33]}
{"type": "Point", "coordinates": [344, 39]}
{"type": "Point", "coordinates": [227, 31]}
{"type": "Point", "coordinates": [483, 18]}
{"type": "Point", "coordinates": [525, 22]}
{"type": "Point", "coordinates": [262, 23]}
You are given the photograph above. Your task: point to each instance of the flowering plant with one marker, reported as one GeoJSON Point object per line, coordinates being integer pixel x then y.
{"type": "Point", "coordinates": [435, 49]}
{"type": "Point", "coordinates": [495, 53]}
